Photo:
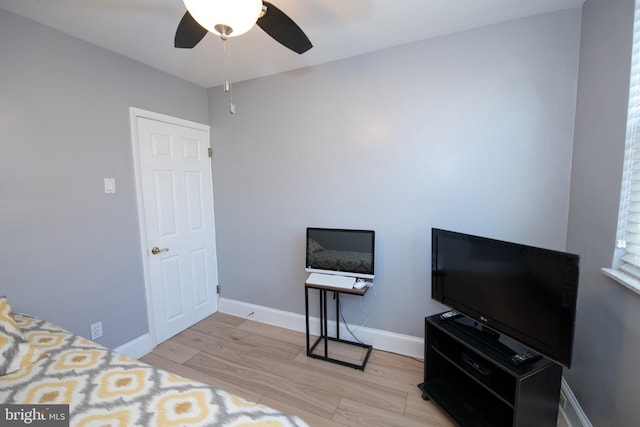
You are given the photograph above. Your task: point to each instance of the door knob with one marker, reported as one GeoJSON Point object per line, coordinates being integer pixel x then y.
{"type": "Point", "coordinates": [156, 250]}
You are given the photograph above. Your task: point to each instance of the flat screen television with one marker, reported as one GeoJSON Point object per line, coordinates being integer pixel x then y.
{"type": "Point", "coordinates": [527, 293]}
{"type": "Point", "coordinates": [341, 251]}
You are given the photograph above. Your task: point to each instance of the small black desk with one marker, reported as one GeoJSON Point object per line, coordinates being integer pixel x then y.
{"type": "Point", "coordinates": [324, 334]}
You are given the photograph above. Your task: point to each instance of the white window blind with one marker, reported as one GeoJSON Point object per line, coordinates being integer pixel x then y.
{"type": "Point", "coordinates": [628, 238]}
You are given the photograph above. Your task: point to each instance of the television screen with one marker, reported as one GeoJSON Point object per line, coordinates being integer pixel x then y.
{"type": "Point", "coordinates": [340, 251]}
{"type": "Point", "coordinates": [527, 293]}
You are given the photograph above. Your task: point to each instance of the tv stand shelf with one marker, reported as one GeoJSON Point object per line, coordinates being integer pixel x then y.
{"type": "Point", "coordinates": [476, 384]}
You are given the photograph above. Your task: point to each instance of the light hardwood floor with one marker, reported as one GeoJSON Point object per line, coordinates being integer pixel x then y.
{"type": "Point", "coordinates": [269, 365]}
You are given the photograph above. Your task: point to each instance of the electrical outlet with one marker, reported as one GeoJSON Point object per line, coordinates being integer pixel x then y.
{"type": "Point", "coordinates": [109, 186]}
{"type": "Point", "coordinates": [96, 330]}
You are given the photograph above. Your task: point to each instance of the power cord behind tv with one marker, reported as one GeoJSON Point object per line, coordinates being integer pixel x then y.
{"type": "Point", "coordinates": [366, 319]}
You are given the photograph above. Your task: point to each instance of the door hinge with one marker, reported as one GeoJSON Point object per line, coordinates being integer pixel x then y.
{"type": "Point", "coordinates": [209, 151]}
{"type": "Point", "coordinates": [217, 289]}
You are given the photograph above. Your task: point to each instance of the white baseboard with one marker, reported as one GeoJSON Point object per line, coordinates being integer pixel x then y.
{"type": "Point", "coordinates": [382, 340]}
{"type": "Point", "coordinates": [570, 408]}
{"type": "Point", "coordinates": [137, 347]}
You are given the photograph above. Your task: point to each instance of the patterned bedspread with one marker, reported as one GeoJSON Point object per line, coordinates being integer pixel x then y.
{"type": "Point", "coordinates": [104, 388]}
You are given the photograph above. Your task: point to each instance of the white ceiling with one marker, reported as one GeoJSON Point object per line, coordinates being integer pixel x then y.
{"type": "Point", "coordinates": [144, 30]}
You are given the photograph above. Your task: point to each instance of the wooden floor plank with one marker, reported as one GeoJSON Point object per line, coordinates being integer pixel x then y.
{"type": "Point", "coordinates": [235, 335]}
{"type": "Point", "coordinates": [187, 372]}
{"type": "Point", "coordinates": [222, 319]}
{"type": "Point", "coordinates": [173, 350]}
{"type": "Point", "coordinates": [307, 397]}
{"type": "Point", "coordinates": [355, 413]}
{"type": "Point", "coordinates": [274, 332]}
{"type": "Point", "coordinates": [311, 419]}
{"type": "Point", "coordinates": [354, 387]}
{"type": "Point", "coordinates": [394, 360]}
{"type": "Point", "coordinates": [224, 348]}
{"type": "Point", "coordinates": [426, 411]}
{"type": "Point", "coordinates": [396, 378]}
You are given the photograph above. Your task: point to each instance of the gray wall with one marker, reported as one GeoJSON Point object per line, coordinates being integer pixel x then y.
{"type": "Point", "coordinates": [605, 375]}
{"type": "Point", "coordinates": [471, 132]}
{"type": "Point", "coordinates": [68, 252]}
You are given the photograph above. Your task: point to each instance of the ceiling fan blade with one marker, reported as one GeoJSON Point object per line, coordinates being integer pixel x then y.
{"type": "Point", "coordinates": [282, 28]}
{"type": "Point", "coordinates": [189, 32]}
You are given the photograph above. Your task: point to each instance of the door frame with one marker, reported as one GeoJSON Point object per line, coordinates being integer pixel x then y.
{"type": "Point", "coordinates": [134, 114]}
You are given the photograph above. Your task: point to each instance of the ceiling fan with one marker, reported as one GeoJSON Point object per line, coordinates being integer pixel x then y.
{"type": "Point", "coordinates": [230, 18]}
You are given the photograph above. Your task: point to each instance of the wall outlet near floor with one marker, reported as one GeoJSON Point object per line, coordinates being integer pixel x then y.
{"type": "Point", "coordinates": [96, 330]}
{"type": "Point", "coordinates": [109, 186]}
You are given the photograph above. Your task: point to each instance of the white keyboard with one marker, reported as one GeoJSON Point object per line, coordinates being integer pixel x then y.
{"type": "Point", "coordinates": [342, 282]}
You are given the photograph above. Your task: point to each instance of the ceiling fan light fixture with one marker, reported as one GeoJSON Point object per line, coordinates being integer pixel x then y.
{"type": "Point", "coordinates": [226, 18]}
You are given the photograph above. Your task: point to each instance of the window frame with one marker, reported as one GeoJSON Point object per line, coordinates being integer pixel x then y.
{"type": "Point", "coordinates": [625, 267]}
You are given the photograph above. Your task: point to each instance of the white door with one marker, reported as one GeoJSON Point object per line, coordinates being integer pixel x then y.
{"type": "Point", "coordinates": [175, 190]}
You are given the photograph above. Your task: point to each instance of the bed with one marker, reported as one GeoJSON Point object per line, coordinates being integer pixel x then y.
{"type": "Point", "coordinates": [43, 364]}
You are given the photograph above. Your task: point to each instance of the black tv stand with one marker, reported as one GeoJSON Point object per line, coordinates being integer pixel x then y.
{"type": "Point", "coordinates": [476, 384]}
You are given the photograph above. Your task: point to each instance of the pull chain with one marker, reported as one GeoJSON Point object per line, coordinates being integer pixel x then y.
{"type": "Point", "coordinates": [227, 82]}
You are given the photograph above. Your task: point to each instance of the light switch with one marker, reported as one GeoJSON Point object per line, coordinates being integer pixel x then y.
{"type": "Point", "coordinates": [109, 186]}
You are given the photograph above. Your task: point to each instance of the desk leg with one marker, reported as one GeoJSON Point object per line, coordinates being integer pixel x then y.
{"type": "Point", "coordinates": [326, 323]}
{"type": "Point", "coordinates": [320, 313]}
{"type": "Point", "coordinates": [306, 315]}
{"type": "Point", "coordinates": [337, 295]}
